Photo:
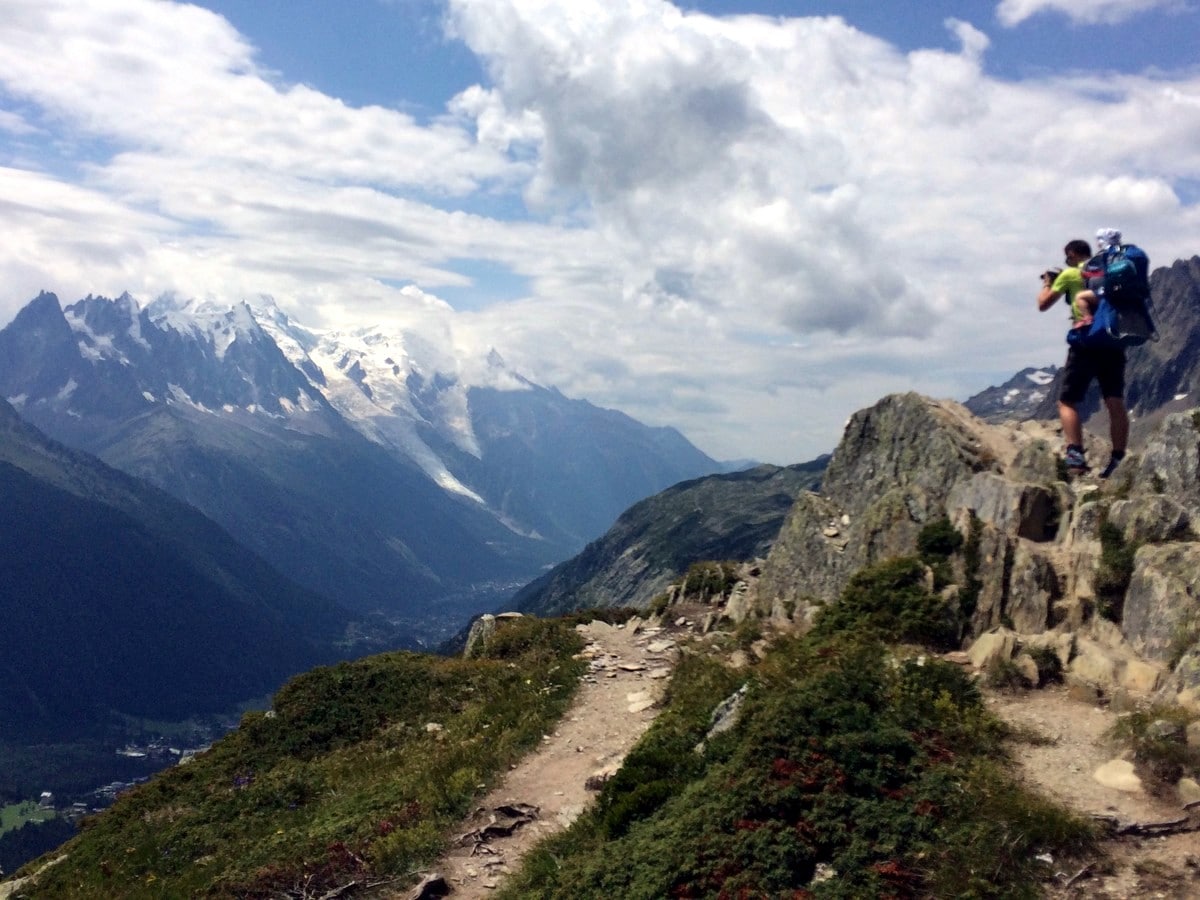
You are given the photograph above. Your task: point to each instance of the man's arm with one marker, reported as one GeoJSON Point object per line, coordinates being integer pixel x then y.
{"type": "Point", "coordinates": [1048, 296]}
{"type": "Point", "coordinates": [1054, 286]}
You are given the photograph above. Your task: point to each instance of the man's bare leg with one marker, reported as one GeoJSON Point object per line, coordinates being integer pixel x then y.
{"type": "Point", "coordinates": [1072, 429]}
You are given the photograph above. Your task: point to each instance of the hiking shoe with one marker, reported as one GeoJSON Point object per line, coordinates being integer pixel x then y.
{"type": "Point", "coordinates": [1075, 460]}
{"type": "Point", "coordinates": [1113, 462]}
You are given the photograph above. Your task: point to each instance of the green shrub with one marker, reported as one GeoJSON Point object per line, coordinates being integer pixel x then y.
{"type": "Point", "coordinates": [1049, 666]}
{"type": "Point", "coordinates": [1114, 571]}
{"type": "Point", "coordinates": [659, 605]}
{"type": "Point", "coordinates": [938, 539]}
{"type": "Point", "coordinates": [1158, 737]}
{"type": "Point", "coordinates": [891, 601]}
{"type": "Point", "coordinates": [710, 580]}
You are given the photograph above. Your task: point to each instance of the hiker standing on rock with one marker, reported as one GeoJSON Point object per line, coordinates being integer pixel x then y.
{"type": "Point", "coordinates": [1084, 363]}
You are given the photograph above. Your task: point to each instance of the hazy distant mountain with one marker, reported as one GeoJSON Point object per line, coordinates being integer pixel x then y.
{"type": "Point", "coordinates": [719, 517]}
{"type": "Point", "coordinates": [117, 598]}
{"type": "Point", "coordinates": [377, 469]}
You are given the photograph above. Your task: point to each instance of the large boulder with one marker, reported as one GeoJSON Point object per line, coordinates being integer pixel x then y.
{"type": "Point", "coordinates": [1026, 510]}
{"type": "Point", "coordinates": [1170, 462]}
{"type": "Point", "coordinates": [1151, 518]}
{"type": "Point", "coordinates": [1162, 603]}
{"type": "Point", "coordinates": [1033, 587]}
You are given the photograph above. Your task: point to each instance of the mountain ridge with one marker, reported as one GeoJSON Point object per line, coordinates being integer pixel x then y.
{"type": "Point", "coordinates": [380, 470]}
{"type": "Point", "coordinates": [104, 577]}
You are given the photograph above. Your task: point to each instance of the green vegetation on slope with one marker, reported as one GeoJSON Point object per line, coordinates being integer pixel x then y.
{"type": "Point", "coordinates": [852, 772]}
{"type": "Point", "coordinates": [354, 776]}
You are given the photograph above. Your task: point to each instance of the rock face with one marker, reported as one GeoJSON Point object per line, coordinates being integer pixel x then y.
{"type": "Point", "coordinates": [1162, 606]}
{"type": "Point", "coordinates": [890, 475]}
{"type": "Point", "coordinates": [1042, 557]}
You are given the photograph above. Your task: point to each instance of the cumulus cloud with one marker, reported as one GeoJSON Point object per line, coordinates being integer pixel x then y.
{"type": "Point", "coordinates": [1014, 12]}
{"type": "Point", "coordinates": [745, 227]}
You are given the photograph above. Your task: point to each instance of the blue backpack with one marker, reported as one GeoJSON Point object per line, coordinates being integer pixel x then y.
{"type": "Point", "coordinates": [1118, 277]}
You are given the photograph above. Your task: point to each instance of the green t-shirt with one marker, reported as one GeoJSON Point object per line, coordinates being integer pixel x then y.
{"type": "Point", "coordinates": [1070, 282]}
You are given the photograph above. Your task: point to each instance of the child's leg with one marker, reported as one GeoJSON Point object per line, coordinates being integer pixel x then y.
{"type": "Point", "coordinates": [1086, 302]}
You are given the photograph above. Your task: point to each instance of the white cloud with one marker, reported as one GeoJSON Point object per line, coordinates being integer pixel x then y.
{"type": "Point", "coordinates": [744, 227]}
{"type": "Point", "coordinates": [1109, 12]}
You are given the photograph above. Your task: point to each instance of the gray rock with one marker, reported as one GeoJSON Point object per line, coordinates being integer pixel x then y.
{"type": "Point", "coordinates": [1036, 462]}
{"type": "Point", "coordinates": [995, 552]}
{"type": "Point", "coordinates": [995, 645]}
{"type": "Point", "coordinates": [1027, 510]}
{"type": "Point", "coordinates": [1151, 518]}
{"type": "Point", "coordinates": [1187, 670]}
{"type": "Point", "coordinates": [1028, 668]}
{"type": "Point", "coordinates": [1032, 589]}
{"type": "Point", "coordinates": [1170, 462]}
{"type": "Point", "coordinates": [1163, 600]}
{"type": "Point", "coordinates": [1166, 730]}
{"type": "Point", "coordinates": [481, 630]}
{"type": "Point", "coordinates": [1085, 522]}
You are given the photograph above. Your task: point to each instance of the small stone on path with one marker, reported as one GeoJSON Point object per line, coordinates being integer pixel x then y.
{"type": "Point", "coordinates": [1119, 774]}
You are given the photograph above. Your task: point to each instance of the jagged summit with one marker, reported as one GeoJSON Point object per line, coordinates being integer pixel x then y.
{"type": "Point", "coordinates": [383, 468]}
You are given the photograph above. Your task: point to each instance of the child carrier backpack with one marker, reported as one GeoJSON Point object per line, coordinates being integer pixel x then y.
{"type": "Point", "coordinates": [1118, 277]}
{"type": "Point", "coordinates": [1120, 274]}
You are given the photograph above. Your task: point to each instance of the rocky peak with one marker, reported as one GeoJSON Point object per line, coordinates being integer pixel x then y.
{"type": "Point", "coordinates": [1108, 573]}
{"type": "Point", "coordinates": [36, 339]}
{"type": "Point", "coordinates": [891, 474]}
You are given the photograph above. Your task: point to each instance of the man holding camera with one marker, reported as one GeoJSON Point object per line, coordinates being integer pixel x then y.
{"type": "Point", "coordinates": [1104, 364]}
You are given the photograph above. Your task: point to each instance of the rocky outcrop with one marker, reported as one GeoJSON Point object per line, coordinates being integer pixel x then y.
{"type": "Point", "coordinates": [890, 475]}
{"type": "Point", "coordinates": [1042, 558]}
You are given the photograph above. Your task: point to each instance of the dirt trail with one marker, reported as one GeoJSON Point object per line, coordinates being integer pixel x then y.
{"type": "Point", "coordinates": [616, 703]}
{"type": "Point", "coordinates": [1064, 769]}
{"type": "Point", "coordinates": [630, 666]}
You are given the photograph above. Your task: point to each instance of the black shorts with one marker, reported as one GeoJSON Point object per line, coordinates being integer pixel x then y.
{"type": "Point", "coordinates": [1105, 364]}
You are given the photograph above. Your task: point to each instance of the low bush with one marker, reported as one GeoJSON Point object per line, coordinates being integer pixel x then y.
{"type": "Point", "coordinates": [1158, 736]}
{"type": "Point", "coordinates": [892, 601]}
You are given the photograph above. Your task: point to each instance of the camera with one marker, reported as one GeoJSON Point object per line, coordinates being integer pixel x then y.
{"type": "Point", "coordinates": [1050, 274]}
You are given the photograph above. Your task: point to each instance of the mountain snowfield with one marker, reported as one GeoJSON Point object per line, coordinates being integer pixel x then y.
{"type": "Point", "coordinates": [366, 375]}
{"type": "Point", "coordinates": [385, 469]}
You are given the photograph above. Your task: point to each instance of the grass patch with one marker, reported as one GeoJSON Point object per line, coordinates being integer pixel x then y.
{"type": "Point", "coordinates": [1006, 675]}
{"type": "Point", "coordinates": [15, 815]}
{"type": "Point", "coordinates": [344, 780]}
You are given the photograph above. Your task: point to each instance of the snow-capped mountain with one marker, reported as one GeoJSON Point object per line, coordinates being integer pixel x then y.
{"type": "Point", "coordinates": [1015, 400]}
{"type": "Point", "coordinates": [376, 467]}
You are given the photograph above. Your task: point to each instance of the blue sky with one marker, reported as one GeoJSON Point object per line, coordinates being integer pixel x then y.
{"type": "Point", "coordinates": [743, 219]}
{"type": "Point", "coordinates": [376, 51]}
